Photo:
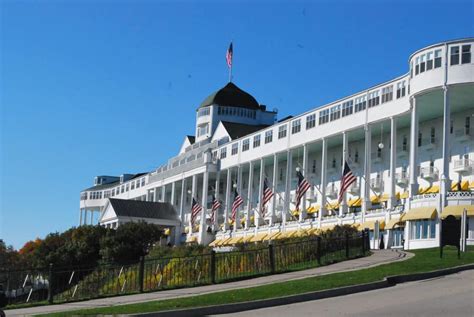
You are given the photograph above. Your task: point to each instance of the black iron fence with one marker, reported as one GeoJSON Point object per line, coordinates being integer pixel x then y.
{"type": "Point", "coordinates": [70, 284]}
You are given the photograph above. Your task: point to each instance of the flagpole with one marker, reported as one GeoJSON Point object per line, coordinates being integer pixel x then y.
{"type": "Point", "coordinates": [230, 73]}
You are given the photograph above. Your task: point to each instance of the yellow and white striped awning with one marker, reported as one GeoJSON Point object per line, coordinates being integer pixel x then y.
{"type": "Point", "coordinates": [395, 222]}
{"type": "Point", "coordinates": [370, 224]}
{"type": "Point", "coordinates": [420, 213]}
{"type": "Point", "coordinates": [259, 237]}
{"type": "Point", "coordinates": [457, 211]}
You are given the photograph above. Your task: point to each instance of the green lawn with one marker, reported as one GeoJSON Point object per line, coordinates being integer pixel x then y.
{"type": "Point", "coordinates": [423, 261]}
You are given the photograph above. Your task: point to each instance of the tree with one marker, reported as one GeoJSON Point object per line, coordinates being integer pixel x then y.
{"type": "Point", "coordinates": [9, 257]}
{"type": "Point", "coordinates": [129, 242]}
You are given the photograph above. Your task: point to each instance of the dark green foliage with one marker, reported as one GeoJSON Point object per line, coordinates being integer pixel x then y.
{"type": "Point", "coordinates": [129, 242]}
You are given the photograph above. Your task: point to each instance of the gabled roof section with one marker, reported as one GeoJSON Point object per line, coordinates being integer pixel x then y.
{"type": "Point", "coordinates": [238, 130]}
{"type": "Point", "coordinates": [191, 138]}
{"type": "Point", "coordinates": [143, 209]}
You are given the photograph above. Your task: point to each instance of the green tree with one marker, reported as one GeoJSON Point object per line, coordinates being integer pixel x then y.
{"type": "Point", "coordinates": [129, 242]}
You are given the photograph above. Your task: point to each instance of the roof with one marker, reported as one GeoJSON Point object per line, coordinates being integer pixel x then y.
{"type": "Point", "coordinates": [238, 130]}
{"type": "Point", "coordinates": [191, 138]}
{"type": "Point", "coordinates": [112, 184]}
{"type": "Point", "coordinates": [231, 95]}
{"type": "Point", "coordinates": [143, 209]}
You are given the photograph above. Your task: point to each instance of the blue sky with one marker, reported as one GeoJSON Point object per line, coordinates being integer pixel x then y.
{"type": "Point", "coordinates": [111, 87]}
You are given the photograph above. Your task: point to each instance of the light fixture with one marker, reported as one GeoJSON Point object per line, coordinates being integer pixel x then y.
{"type": "Point", "coordinates": [234, 185]}
{"type": "Point", "coordinates": [298, 169]}
{"type": "Point", "coordinates": [381, 138]}
{"type": "Point", "coordinates": [189, 191]}
{"type": "Point", "coordinates": [381, 145]}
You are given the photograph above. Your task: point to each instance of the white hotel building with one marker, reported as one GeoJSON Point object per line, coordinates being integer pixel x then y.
{"type": "Point", "coordinates": [409, 141]}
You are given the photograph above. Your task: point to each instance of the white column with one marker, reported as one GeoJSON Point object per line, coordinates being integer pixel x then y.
{"type": "Point", "coordinates": [302, 215]}
{"type": "Point", "coordinates": [393, 162]}
{"type": "Point", "coordinates": [413, 149]}
{"type": "Point", "coordinates": [324, 155]}
{"type": "Point", "coordinates": [92, 217]}
{"type": "Point", "coordinates": [163, 193]}
{"type": "Point", "coordinates": [182, 200]}
{"type": "Point", "coordinates": [193, 195]}
{"type": "Point", "coordinates": [367, 165]}
{"type": "Point", "coordinates": [155, 196]}
{"type": "Point", "coordinates": [215, 225]}
{"type": "Point", "coordinates": [257, 217]}
{"type": "Point", "coordinates": [203, 223]}
{"type": "Point", "coordinates": [228, 203]}
{"type": "Point", "coordinates": [80, 216]}
{"type": "Point", "coordinates": [173, 188]}
{"type": "Point", "coordinates": [343, 207]}
{"type": "Point", "coordinates": [445, 181]}
{"type": "Point", "coordinates": [286, 208]}
{"type": "Point", "coordinates": [249, 196]}
{"type": "Point", "coordinates": [275, 183]}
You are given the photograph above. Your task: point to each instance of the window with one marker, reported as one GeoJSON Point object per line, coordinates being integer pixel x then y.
{"type": "Point", "coordinates": [454, 55]}
{"type": "Point", "coordinates": [374, 98]}
{"type": "Point", "coordinates": [422, 63]}
{"type": "Point", "coordinates": [313, 167]}
{"type": "Point", "coordinates": [296, 126]}
{"type": "Point", "coordinates": [401, 89]}
{"type": "Point", "coordinates": [423, 229]}
{"type": "Point", "coordinates": [122, 189]}
{"type": "Point", "coordinates": [323, 116]}
{"type": "Point", "coordinates": [256, 141]}
{"type": "Point", "coordinates": [204, 112]}
{"type": "Point", "coordinates": [143, 181]}
{"type": "Point", "coordinates": [310, 121]}
{"type": "Point", "coordinates": [437, 61]}
{"type": "Point", "coordinates": [138, 183]}
{"type": "Point", "coordinates": [235, 148]}
{"type": "Point", "coordinates": [433, 135]}
{"type": "Point", "coordinates": [360, 103]}
{"type": "Point", "coordinates": [420, 137]}
{"type": "Point", "coordinates": [282, 131]}
{"type": "Point", "coordinates": [335, 112]}
{"type": "Point", "coordinates": [268, 136]}
{"type": "Point", "coordinates": [126, 187]}
{"type": "Point", "coordinates": [132, 186]}
{"type": "Point", "coordinates": [223, 152]}
{"type": "Point", "coordinates": [466, 54]}
{"type": "Point", "coordinates": [429, 61]}
{"type": "Point", "coordinates": [347, 108]}
{"type": "Point", "coordinates": [387, 94]}
{"type": "Point", "coordinates": [203, 129]}
{"type": "Point", "coordinates": [417, 65]}
{"type": "Point", "coordinates": [245, 145]}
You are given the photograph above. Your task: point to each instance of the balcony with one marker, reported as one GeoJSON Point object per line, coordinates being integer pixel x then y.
{"type": "Point", "coordinates": [427, 144]}
{"type": "Point", "coordinates": [463, 134]}
{"type": "Point", "coordinates": [376, 183]}
{"type": "Point", "coordinates": [376, 157]}
{"type": "Point", "coordinates": [402, 178]}
{"type": "Point", "coordinates": [354, 188]}
{"type": "Point", "coordinates": [402, 150]}
{"type": "Point", "coordinates": [331, 191]}
{"type": "Point", "coordinates": [429, 173]}
{"type": "Point", "coordinates": [463, 166]}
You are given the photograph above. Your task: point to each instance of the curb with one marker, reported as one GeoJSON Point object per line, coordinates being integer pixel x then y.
{"type": "Point", "coordinates": [341, 291]}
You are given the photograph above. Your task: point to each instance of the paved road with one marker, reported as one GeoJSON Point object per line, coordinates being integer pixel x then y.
{"type": "Point", "coordinates": [451, 295]}
{"type": "Point", "coordinates": [379, 257]}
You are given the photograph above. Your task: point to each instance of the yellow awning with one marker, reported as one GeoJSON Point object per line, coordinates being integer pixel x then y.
{"type": "Point", "coordinates": [404, 195]}
{"type": "Point", "coordinates": [258, 237]}
{"type": "Point", "coordinates": [456, 211]}
{"type": "Point", "coordinates": [420, 213]}
{"type": "Point", "coordinates": [421, 190]}
{"type": "Point", "coordinates": [191, 239]}
{"type": "Point", "coordinates": [371, 225]}
{"type": "Point", "coordinates": [301, 233]}
{"type": "Point", "coordinates": [215, 243]}
{"type": "Point", "coordinates": [386, 196]}
{"type": "Point", "coordinates": [234, 240]}
{"type": "Point", "coordinates": [471, 186]}
{"type": "Point", "coordinates": [224, 241]}
{"type": "Point", "coordinates": [313, 231]}
{"type": "Point", "coordinates": [272, 236]}
{"type": "Point", "coordinates": [394, 222]}
{"type": "Point", "coordinates": [463, 186]}
{"type": "Point", "coordinates": [248, 238]}
{"type": "Point", "coordinates": [355, 202]}
{"type": "Point", "coordinates": [294, 213]}
{"type": "Point", "coordinates": [432, 190]}
{"type": "Point", "coordinates": [375, 199]}
{"type": "Point", "coordinates": [313, 209]}
{"type": "Point", "coordinates": [332, 205]}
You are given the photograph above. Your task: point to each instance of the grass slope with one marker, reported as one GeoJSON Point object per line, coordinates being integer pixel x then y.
{"type": "Point", "coordinates": [423, 261]}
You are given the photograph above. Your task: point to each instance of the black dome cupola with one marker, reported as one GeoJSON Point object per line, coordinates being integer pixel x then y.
{"type": "Point", "coordinates": [233, 96]}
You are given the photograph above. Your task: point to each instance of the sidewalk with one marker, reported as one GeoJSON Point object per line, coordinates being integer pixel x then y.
{"type": "Point", "coordinates": [377, 258]}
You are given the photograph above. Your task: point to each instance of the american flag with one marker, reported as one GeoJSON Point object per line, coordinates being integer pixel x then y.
{"type": "Point", "coordinates": [347, 180]}
{"type": "Point", "coordinates": [216, 204]}
{"type": "Point", "coordinates": [229, 54]}
{"type": "Point", "coordinates": [195, 210]}
{"type": "Point", "coordinates": [238, 201]}
{"type": "Point", "coordinates": [267, 195]}
{"type": "Point", "coordinates": [303, 186]}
